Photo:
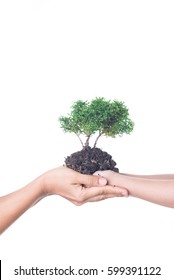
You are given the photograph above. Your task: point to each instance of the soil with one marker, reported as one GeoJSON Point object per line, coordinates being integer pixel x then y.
{"type": "Point", "coordinates": [89, 160]}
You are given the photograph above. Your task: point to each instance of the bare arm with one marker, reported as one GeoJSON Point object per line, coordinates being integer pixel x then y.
{"type": "Point", "coordinates": [13, 205]}
{"type": "Point", "coordinates": [59, 181]}
{"type": "Point", "coordinates": [153, 176]}
{"type": "Point", "coordinates": [153, 189]}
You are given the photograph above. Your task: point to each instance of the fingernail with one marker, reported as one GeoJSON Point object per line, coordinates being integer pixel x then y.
{"type": "Point", "coordinates": [102, 181]}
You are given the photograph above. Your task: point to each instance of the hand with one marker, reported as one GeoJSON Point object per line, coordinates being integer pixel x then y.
{"type": "Point", "coordinates": [113, 179]}
{"type": "Point", "coordinates": [62, 181]}
{"type": "Point", "coordinates": [78, 188]}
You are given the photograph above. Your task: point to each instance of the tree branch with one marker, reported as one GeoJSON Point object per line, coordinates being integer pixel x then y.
{"type": "Point", "coordinates": [80, 139]}
{"type": "Point", "coordinates": [95, 143]}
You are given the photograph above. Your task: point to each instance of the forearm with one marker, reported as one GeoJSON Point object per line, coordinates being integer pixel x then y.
{"type": "Point", "coordinates": [153, 176]}
{"type": "Point", "coordinates": [153, 190]}
{"type": "Point", "coordinates": [13, 205]}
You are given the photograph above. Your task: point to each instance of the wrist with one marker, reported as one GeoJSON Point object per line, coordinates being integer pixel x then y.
{"type": "Point", "coordinates": [39, 188]}
{"type": "Point", "coordinates": [123, 181]}
{"type": "Point", "coordinates": [47, 183]}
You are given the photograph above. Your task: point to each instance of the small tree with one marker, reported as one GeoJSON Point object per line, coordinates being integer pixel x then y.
{"type": "Point", "coordinates": [100, 117]}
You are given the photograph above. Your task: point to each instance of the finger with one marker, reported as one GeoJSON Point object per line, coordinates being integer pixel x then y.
{"type": "Point", "coordinates": [92, 181]}
{"type": "Point", "coordinates": [96, 198]}
{"type": "Point", "coordinates": [95, 194]}
{"type": "Point", "coordinates": [122, 191]}
{"type": "Point", "coordinates": [89, 193]}
{"type": "Point", "coordinates": [103, 197]}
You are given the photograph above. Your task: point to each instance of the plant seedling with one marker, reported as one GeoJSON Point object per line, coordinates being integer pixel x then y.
{"type": "Point", "coordinates": [93, 119]}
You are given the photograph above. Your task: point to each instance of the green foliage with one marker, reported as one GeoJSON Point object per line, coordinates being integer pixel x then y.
{"type": "Point", "coordinates": [108, 118]}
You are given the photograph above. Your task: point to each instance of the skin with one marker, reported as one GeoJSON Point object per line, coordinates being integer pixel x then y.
{"type": "Point", "coordinates": [157, 189]}
{"type": "Point", "coordinates": [75, 187]}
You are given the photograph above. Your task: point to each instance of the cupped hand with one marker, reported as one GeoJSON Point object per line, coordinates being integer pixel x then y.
{"type": "Point", "coordinates": [79, 188]}
{"type": "Point", "coordinates": [113, 179]}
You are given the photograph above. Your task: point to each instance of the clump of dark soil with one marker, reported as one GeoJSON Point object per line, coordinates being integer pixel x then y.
{"type": "Point", "coordinates": [89, 160]}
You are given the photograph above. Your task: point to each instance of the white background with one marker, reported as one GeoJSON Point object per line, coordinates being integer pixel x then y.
{"type": "Point", "coordinates": [51, 54]}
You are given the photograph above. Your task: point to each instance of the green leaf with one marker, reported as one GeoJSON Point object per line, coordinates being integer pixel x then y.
{"type": "Point", "coordinates": [110, 118]}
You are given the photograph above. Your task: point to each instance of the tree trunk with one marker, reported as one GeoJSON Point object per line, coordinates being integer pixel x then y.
{"type": "Point", "coordinates": [87, 141]}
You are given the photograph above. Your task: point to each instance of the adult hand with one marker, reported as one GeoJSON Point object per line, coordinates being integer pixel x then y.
{"type": "Point", "coordinates": [77, 187]}
{"type": "Point", "coordinates": [62, 181]}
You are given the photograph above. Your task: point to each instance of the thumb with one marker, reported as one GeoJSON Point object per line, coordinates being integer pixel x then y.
{"type": "Point", "coordinates": [92, 180]}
